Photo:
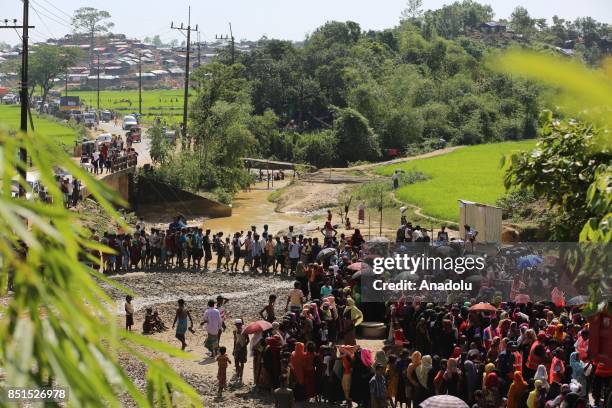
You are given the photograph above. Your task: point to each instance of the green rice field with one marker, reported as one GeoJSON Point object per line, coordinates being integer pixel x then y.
{"type": "Point", "coordinates": [471, 173]}
{"type": "Point", "coordinates": [10, 117]}
{"type": "Point", "coordinates": [155, 103]}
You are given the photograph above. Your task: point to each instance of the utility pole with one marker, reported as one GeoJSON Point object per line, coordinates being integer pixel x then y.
{"type": "Point", "coordinates": [66, 84]}
{"type": "Point", "coordinates": [199, 53]}
{"type": "Point", "coordinates": [23, 154]}
{"type": "Point", "coordinates": [186, 97]}
{"type": "Point", "coordinates": [139, 84]}
{"type": "Point", "coordinates": [229, 37]}
{"type": "Point", "coordinates": [98, 82]}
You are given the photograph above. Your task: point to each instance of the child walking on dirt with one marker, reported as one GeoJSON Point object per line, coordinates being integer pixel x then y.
{"type": "Point", "coordinates": [222, 362]}
{"type": "Point", "coordinates": [181, 317]}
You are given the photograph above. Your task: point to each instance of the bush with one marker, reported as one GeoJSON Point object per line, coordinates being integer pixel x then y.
{"type": "Point", "coordinates": [223, 196]}
{"type": "Point", "coordinates": [318, 149]}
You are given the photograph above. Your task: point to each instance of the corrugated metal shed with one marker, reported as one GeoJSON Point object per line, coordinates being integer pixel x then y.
{"type": "Point", "coordinates": [486, 219]}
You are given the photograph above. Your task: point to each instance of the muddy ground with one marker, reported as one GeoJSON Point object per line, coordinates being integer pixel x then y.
{"type": "Point", "coordinates": [247, 294]}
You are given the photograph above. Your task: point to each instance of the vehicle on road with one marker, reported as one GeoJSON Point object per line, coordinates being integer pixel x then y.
{"type": "Point", "coordinates": [104, 138]}
{"type": "Point", "coordinates": [90, 119]}
{"type": "Point", "coordinates": [88, 147]}
{"type": "Point", "coordinates": [106, 116]}
{"type": "Point", "coordinates": [134, 135]}
{"type": "Point", "coordinates": [129, 121]}
{"type": "Point", "coordinates": [10, 98]}
{"type": "Point", "coordinates": [76, 115]}
{"type": "Point", "coordinates": [32, 190]}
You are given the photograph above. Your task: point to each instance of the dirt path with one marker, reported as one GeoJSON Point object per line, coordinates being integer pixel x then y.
{"type": "Point", "coordinates": [369, 166]}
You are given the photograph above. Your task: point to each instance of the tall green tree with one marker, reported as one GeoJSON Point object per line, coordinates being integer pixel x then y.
{"type": "Point", "coordinates": [356, 139]}
{"type": "Point", "coordinates": [413, 10]}
{"type": "Point", "coordinates": [521, 21]}
{"type": "Point", "coordinates": [47, 63]}
{"type": "Point", "coordinates": [91, 22]}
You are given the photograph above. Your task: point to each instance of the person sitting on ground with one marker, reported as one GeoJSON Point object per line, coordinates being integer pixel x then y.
{"type": "Point", "coordinates": [148, 324]}
{"type": "Point", "coordinates": [158, 324]}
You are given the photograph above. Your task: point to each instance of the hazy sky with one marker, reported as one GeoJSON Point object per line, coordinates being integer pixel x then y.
{"type": "Point", "coordinates": [286, 19]}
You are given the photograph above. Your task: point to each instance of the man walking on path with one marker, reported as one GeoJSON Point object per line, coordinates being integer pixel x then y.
{"type": "Point", "coordinates": [214, 324]}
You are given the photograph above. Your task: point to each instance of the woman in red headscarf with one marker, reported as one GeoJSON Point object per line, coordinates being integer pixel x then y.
{"type": "Point", "coordinates": [298, 362]}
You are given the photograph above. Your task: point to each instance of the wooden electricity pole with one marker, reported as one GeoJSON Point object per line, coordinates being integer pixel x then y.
{"type": "Point", "coordinates": [186, 97]}
{"type": "Point", "coordinates": [23, 154]}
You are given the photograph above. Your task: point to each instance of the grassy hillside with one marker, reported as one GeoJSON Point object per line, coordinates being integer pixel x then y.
{"type": "Point", "coordinates": [471, 173]}
{"type": "Point", "coordinates": [65, 135]}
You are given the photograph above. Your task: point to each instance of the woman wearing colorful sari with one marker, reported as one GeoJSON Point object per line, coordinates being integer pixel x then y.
{"type": "Point", "coordinates": [516, 393]}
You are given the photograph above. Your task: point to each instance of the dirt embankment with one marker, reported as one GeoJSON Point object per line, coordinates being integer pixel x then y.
{"type": "Point", "coordinates": [307, 197]}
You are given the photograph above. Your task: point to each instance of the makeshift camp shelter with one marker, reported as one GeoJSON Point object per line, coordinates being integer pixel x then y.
{"type": "Point", "coordinates": [486, 219]}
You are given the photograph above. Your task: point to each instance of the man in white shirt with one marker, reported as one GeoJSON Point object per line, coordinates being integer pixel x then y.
{"type": "Point", "coordinates": [294, 254]}
{"type": "Point", "coordinates": [214, 324]}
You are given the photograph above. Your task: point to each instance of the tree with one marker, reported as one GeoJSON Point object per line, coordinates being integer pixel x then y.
{"type": "Point", "coordinates": [356, 139]}
{"type": "Point", "coordinates": [159, 147]}
{"type": "Point", "coordinates": [561, 170]}
{"type": "Point", "coordinates": [47, 63]}
{"type": "Point", "coordinates": [157, 42]}
{"type": "Point", "coordinates": [413, 9]}
{"type": "Point", "coordinates": [91, 21]}
{"type": "Point", "coordinates": [318, 149]}
{"type": "Point", "coordinates": [521, 21]}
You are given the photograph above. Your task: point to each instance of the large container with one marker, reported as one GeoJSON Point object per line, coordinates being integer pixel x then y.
{"type": "Point", "coordinates": [373, 330]}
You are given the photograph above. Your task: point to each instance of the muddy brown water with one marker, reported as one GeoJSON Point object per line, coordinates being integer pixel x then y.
{"type": "Point", "coordinates": [253, 208]}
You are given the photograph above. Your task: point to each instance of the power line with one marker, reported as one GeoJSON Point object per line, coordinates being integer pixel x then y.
{"type": "Point", "coordinates": [55, 18]}
{"type": "Point", "coordinates": [58, 9]}
{"type": "Point", "coordinates": [44, 23]}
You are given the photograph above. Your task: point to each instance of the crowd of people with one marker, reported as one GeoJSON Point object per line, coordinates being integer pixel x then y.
{"type": "Point", "coordinates": [522, 354]}
{"type": "Point", "coordinates": [180, 246]}
{"type": "Point", "coordinates": [109, 156]}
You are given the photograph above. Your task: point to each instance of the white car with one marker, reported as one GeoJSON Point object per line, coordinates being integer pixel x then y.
{"type": "Point", "coordinates": [10, 98]}
{"type": "Point", "coordinates": [129, 121]}
{"type": "Point", "coordinates": [104, 138]}
{"type": "Point", "coordinates": [32, 192]}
